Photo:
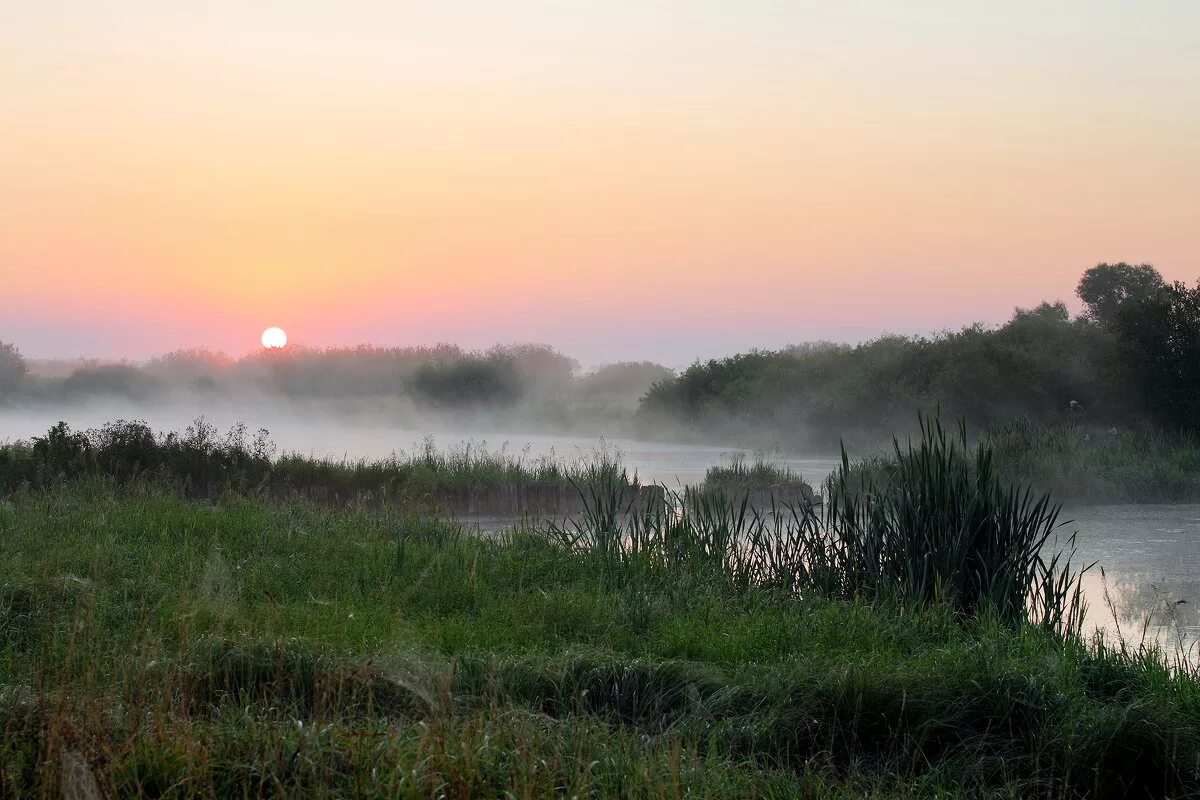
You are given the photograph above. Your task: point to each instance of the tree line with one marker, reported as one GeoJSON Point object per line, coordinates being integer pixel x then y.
{"type": "Point", "coordinates": [1131, 359]}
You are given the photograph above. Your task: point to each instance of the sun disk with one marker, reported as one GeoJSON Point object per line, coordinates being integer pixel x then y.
{"type": "Point", "coordinates": [274, 338]}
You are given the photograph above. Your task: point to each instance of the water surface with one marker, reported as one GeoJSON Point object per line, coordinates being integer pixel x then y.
{"type": "Point", "coordinates": [1150, 554]}
{"type": "Point", "coordinates": [1150, 557]}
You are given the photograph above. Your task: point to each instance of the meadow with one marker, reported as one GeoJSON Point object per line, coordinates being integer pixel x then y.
{"type": "Point", "coordinates": [157, 646]}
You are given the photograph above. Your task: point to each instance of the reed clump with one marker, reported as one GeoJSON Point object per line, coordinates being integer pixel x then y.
{"type": "Point", "coordinates": [760, 478]}
{"type": "Point", "coordinates": [938, 527]}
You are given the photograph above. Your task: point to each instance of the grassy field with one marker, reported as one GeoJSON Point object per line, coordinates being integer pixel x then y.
{"type": "Point", "coordinates": [156, 647]}
{"type": "Point", "coordinates": [904, 639]}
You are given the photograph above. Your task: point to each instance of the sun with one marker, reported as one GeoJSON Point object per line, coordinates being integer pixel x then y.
{"type": "Point", "coordinates": [274, 338]}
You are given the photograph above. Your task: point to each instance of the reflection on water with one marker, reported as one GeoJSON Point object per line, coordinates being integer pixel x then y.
{"type": "Point", "coordinates": [1150, 586]}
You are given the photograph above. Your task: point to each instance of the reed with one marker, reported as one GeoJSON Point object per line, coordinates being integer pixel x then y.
{"type": "Point", "coordinates": [939, 528]}
{"type": "Point", "coordinates": [741, 475]}
{"type": "Point", "coordinates": [942, 525]}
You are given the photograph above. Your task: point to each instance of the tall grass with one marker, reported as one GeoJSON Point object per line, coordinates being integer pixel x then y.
{"type": "Point", "coordinates": [159, 648]}
{"type": "Point", "coordinates": [742, 475]}
{"type": "Point", "coordinates": [1083, 464]}
{"type": "Point", "coordinates": [940, 529]}
{"type": "Point", "coordinates": [202, 460]}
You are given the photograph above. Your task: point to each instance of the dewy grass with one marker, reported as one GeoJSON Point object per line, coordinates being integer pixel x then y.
{"type": "Point", "coordinates": [900, 641]}
{"type": "Point", "coordinates": [165, 648]}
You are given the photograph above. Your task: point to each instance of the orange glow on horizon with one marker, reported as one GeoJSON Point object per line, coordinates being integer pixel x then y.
{"type": "Point", "coordinates": [413, 174]}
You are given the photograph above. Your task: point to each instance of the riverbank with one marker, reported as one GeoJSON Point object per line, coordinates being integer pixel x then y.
{"type": "Point", "coordinates": [1095, 466]}
{"type": "Point", "coordinates": [151, 645]}
{"type": "Point", "coordinates": [1081, 466]}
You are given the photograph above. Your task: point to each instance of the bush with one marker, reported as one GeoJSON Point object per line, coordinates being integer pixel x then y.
{"type": "Point", "coordinates": [13, 368]}
{"type": "Point", "coordinates": [469, 383]}
{"type": "Point", "coordinates": [112, 379]}
{"type": "Point", "coordinates": [1032, 367]}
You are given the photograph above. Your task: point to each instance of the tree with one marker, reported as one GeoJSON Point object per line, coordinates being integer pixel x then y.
{"type": "Point", "coordinates": [1161, 336]}
{"type": "Point", "coordinates": [1044, 313]}
{"type": "Point", "coordinates": [12, 368]}
{"type": "Point", "coordinates": [469, 382]}
{"type": "Point", "coordinates": [1107, 288]}
{"type": "Point", "coordinates": [539, 365]}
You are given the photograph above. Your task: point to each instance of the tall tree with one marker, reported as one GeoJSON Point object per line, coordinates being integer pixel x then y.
{"type": "Point", "coordinates": [1107, 288]}
{"type": "Point", "coordinates": [1161, 335]}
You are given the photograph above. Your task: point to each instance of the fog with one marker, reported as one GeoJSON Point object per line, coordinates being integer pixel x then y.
{"type": "Point", "coordinates": [1128, 363]}
{"type": "Point", "coordinates": [345, 436]}
{"type": "Point", "coordinates": [368, 403]}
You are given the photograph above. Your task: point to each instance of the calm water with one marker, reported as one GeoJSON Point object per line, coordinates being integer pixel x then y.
{"type": "Point", "coordinates": [1150, 554]}
{"type": "Point", "coordinates": [1151, 561]}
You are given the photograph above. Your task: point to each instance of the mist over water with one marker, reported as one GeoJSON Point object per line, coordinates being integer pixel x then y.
{"type": "Point", "coordinates": [327, 433]}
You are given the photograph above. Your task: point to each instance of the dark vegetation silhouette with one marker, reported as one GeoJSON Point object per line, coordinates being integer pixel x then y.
{"type": "Point", "coordinates": [13, 369]}
{"type": "Point", "coordinates": [1131, 360]}
{"type": "Point", "coordinates": [1128, 366]}
{"type": "Point", "coordinates": [440, 376]}
{"type": "Point", "coordinates": [204, 462]}
{"type": "Point", "coordinates": [1159, 335]}
{"type": "Point", "coordinates": [469, 382]}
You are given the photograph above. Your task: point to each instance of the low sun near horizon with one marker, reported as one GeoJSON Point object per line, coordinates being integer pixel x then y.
{"type": "Point", "coordinates": [274, 338]}
{"type": "Point", "coordinates": [725, 175]}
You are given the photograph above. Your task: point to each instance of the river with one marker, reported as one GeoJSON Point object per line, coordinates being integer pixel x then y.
{"type": "Point", "coordinates": [1149, 554]}
{"type": "Point", "coordinates": [1150, 557]}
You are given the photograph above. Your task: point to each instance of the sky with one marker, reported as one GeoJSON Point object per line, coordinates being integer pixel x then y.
{"type": "Point", "coordinates": [661, 180]}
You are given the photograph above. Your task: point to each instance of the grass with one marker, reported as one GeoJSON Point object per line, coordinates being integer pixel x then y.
{"type": "Point", "coordinates": [241, 649]}
{"type": "Point", "coordinates": [159, 647]}
{"type": "Point", "coordinates": [1100, 466]}
{"type": "Point", "coordinates": [202, 461]}
{"type": "Point", "coordinates": [1081, 465]}
{"type": "Point", "coordinates": [740, 476]}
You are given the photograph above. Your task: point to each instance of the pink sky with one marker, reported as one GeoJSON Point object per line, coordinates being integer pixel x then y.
{"type": "Point", "coordinates": [673, 180]}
